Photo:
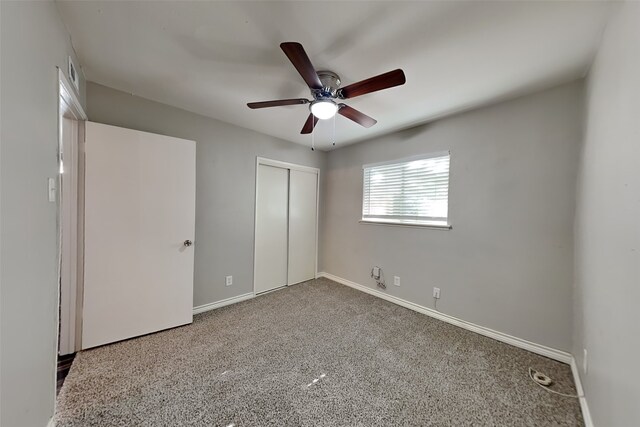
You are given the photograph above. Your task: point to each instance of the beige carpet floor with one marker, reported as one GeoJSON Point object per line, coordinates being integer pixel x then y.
{"type": "Point", "coordinates": [315, 354]}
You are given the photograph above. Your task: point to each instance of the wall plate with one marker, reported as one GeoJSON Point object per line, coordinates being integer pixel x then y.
{"type": "Point", "coordinates": [72, 73]}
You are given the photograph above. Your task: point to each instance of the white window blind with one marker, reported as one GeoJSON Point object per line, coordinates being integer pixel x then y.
{"type": "Point", "coordinates": [410, 191]}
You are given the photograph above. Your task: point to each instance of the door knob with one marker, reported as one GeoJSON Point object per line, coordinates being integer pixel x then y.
{"type": "Point", "coordinates": [188, 243]}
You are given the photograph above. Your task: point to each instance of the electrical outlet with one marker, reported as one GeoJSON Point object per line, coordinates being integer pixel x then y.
{"type": "Point", "coordinates": [396, 280]}
{"type": "Point", "coordinates": [228, 280]}
{"type": "Point", "coordinates": [584, 361]}
{"type": "Point", "coordinates": [436, 293]}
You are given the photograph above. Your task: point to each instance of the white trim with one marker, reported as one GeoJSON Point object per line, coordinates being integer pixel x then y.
{"type": "Point", "coordinates": [552, 353]}
{"type": "Point", "coordinates": [407, 224]}
{"type": "Point", "coordinates": [69, 105]}
{"type": "Point", "coordinates": [51, 423]}
{"type": "Point", "coordinates": [268, 291]}
{"type": "Point", "coordinates": [255, 224]}
{"type": "Point", "coordinates": [228, 301]}
{"type": "Point", "coordinates": [586, 415]}
{"type": "Point", "coordinates": [69, 95]}
{"type": "Point", "coordinates": [286, 165]}
{"type": "Point", "coordinates": [409, 159]}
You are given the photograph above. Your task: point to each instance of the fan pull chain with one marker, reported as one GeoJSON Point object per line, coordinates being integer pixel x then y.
{"type": "Point", "coordinates": [313, 132]}
{"type": "Point", "coordinates": [334, 130]}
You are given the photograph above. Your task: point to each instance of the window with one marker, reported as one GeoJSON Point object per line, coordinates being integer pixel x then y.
{"type": "Point", "coordinates": [409, 191]}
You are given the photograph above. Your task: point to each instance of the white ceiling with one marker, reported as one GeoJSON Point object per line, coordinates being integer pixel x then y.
{"type": "Point", "coordinates": [214, 57]}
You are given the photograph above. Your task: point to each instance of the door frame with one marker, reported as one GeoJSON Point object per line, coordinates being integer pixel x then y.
{"type": "Point", "coordinates": [290, 166]}
{"type": "Point", "coordinates": [67, 318]}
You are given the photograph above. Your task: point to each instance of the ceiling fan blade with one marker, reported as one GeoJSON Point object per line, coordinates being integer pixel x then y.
{"type": "Point", "coordinates": [355, 115]}
{"type": "Point", "coordinates": [309, 124]}
{"type": "Point", "coordinates": [373, 84]}
{"type": "Point", "coordinates": [298, 57]}
{"type": "Point", "coordinates": [277, 103]}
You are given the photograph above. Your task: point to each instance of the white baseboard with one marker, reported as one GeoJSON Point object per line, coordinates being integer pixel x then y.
{"type": "Point", "coordinates": [586, 415]}
{"type": "Point", "coordinates": [51, 422]}
{"type": "Point", "coordinates": [222, 303]}
{"type": "Point", "coordinates": [552, 353]}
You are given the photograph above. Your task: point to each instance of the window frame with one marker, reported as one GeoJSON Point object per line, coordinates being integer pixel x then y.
{"type": "Point", "coordinates": [408, 221]}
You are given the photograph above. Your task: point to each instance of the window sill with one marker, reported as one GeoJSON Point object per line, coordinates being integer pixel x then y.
{"type": "Point", "coordinates": [435, 226]}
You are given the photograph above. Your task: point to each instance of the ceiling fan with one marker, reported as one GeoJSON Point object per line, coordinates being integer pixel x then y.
{"type": "Point", "coordinates": [325, 90]}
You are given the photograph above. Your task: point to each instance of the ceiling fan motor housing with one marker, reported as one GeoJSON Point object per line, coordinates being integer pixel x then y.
{"type": "Point", "coordinates": [330, 84]}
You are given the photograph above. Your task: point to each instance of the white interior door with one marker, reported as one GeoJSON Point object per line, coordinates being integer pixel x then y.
{"type": "Point", "coordinates": [139, 211]}
{"type": "Point", "coordinates": [303, 204]}
{"type": "Point", "coordinates": [271, 228]}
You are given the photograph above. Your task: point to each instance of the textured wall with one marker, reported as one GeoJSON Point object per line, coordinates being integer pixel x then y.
{"type": "Point", "coordinates": [507, 263]}
{"type": "Point", "coordinates": [607, 241]}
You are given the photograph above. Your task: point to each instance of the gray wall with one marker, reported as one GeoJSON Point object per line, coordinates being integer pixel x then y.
{"type": "Point", "coordinates": [607, 233]}
{"type": "Point", "coordinates": [33, 42]}
{"type": "Point", "coordinates": [507, 263]}
{"type": "Point", "coordinates": [225, 182]}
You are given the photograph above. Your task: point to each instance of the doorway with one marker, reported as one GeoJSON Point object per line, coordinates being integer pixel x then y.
{"type": "Point", "coordinates": [71, 126]}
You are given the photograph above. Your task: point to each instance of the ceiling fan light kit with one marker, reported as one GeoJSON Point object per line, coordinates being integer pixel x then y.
{"type": "Point", "coordinates": [325, 89]}
{"type": "Point", "coordinates": [323, 108]}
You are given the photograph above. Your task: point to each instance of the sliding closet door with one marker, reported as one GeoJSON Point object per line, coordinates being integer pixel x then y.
{"type": "Point", "coordinates": [303, 187]}
{"type": "Point", "coordinates": [271, 228]}
{"type": "Point", "coordinates": [139, 224]}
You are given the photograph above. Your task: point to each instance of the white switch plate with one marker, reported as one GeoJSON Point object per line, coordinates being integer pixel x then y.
{"type": "Point", "coordinates": [396, 280]}
{"type": "Point", "coordinates": [228, 280]}
{"type": "Point", "coordinates": [436, 293]}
